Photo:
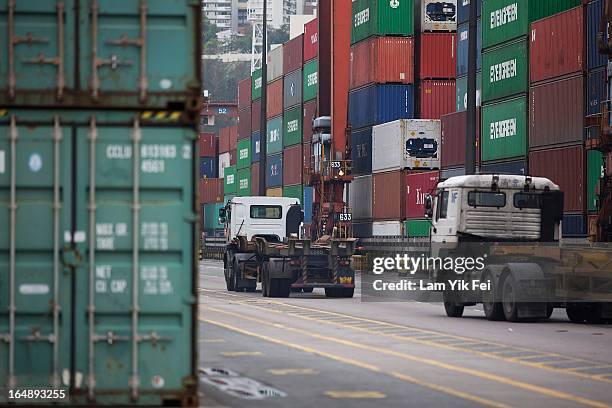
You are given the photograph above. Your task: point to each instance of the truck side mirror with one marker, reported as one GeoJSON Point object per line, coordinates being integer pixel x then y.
{"type": "Point", "coordinates": [222, 216]}
{"type": "Point", "coordinates": [428, 206]}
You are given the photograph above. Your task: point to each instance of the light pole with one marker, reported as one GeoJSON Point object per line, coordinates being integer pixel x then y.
{"type": "Point", "coordinates": [263, 135]}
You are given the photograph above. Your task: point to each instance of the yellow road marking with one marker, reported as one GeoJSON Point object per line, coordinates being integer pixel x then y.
{"type": "Point", "coordinates": [446, 390]}
{"type": "Point", "coordinates": [492, 354]}
{"type": "Point", "coordinates": [439, 364]}
{"type": "Point", "coordinates": [241, 353]}
{"type": "Point", "coordinates": [355, 394]}
{"type": "Point", "coordinates": [292, 371]}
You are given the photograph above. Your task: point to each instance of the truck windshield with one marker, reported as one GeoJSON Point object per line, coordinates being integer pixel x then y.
{"type": "Point", "coordinates": [486, 199]}
{"type": "Point", "coordinates": [269, 212]}
{"type": "Point", "coordinates": [527, 200]}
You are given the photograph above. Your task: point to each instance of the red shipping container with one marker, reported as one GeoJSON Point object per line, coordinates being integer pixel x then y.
{"type": "Point", "coordinates": [454, 130]}
{"type": "Point", "coordinates": [557, 45]}
{"type": "Point", "coordinates": [388, 197]}
{"type": "Point", "coordinates": [307, 157]}
{"type": "Point", "coordinates": [438, 55]}
{"type": "Point", "coordinates": [417, 186]}
{"type": "Point", "coordinates": [310, 112]}
{"type": "Point", "coordinates": [224, 140]}
{"type": "Point", "coordinates": [292, 54]}
{"type": "Point", "coordinates": [556, 113]}
{"type": "Point", "coordinates": [564, 167]}
{"type": "Point", "coordinates": [244, 124]}
{"type": "Point", "coordinates": [292, 171]}
{"type": "Point", "coordinates": [208, 144]}
{"type": "Point", "coordinates": [274, 102]}
{"type": "Point", "coordinates": [244, 94]}
{"type": "Point", "coordinates": [233, 157]}
{"type": "Point", "coordinates": [211, 190]}
{"type": "Point", "coordinates": [255, 179]}
{"type": "Point", "coordinates": [233, 137]}
{"type": "Point", "coordinates": [382, 60]}
{"type": "Point", "coordinates": [311, 40]}
{"type": "Point", "coordinates": [256, 116]}
{"type": "Point", "coordinates": [437, 98]}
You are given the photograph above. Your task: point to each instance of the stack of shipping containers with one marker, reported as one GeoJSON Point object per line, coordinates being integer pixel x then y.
{"type": "Point", "coordinates": [381, 90]}
{"type": "Point", "coordinates": [596, 92]}
{"type": "Point", "coordinates": [274, 124]}
{"type": "Point", "coordinates": [211, 188]}
{"type": "Point", "coordinates": [228, 140]}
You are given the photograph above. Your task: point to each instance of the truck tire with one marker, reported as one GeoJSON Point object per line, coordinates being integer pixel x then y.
{"type": "Point", "coordinates": [493, 309]}
{"type": "Point", "coordinates": [332, 292]}
{"type": "Point", "coordinates": [509, 292]}
{"type": "Point", "coordinates": [265, 280]}
{"type": "Point", "coordinates": [451, 307]}
{"type": "Point", "coordinates": [235, 271]}
{"type": "Point", "coordinates": [576, 313]}
{"type": "Point", "coordinates": [280, 288]}
{"type": "Point", "coordinates": [348, 292]}
{"type": "Point", "coordinates": [229, 279]}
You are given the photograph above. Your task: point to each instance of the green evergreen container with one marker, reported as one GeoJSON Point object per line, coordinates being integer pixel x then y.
{"type": "Point", "coordinates": [374, 17]}
{"type": "Point", "coordinates": [310, 81]}
{"type": "Point", "coordinates": [292, 128]}
{"type": "Point", "coordinates": [417, 228]}
{"type": "Point", "coordinates": [274, 138]}
{"type": "Point", "coordinates": [504, 129]}
{"type": "Point", "coordinates": [243, 149]}
{"type": "Point", "coordinates": [230, 186]}
{"type": "Point", "coordinates": [256, 83]}
{"type": "Point", "coordinates": [506, 71]}
{"type": "Point", "coordinates": [595, 172]}
{"type": "Point", "coordinates": [295, 191]}
{"type": "Point", "coordinates": [244, 182]}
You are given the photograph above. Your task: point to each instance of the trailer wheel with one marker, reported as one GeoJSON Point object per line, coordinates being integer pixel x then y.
{"type": "Point", "coordinates": [348, 292]}
{"type": "Point", "coordinates": [229, 279]}
{"type": "Point", "coordinates": [235, 270]}
{"type": "Point", "coordinates": [332, 292]}
{"type": "Point", "coordinates": [493, 308]}
{"type": "Point", "coordinates": [576, 313]}
{"type": "Point", "coordinates": [509, 293]}
{"type": "Point", "coordinates": [451, 307]}
{"type": "Point", "coordinates": [280, 288]}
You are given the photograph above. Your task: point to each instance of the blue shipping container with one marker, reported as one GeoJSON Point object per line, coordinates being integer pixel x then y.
{"type": "Point", "coordinates": [574, 225]}
{"type": "Point", "coordinates": [255, 147]}
{"type": "Point", "coordinates": [463, 10]}
{"type": "Point", "coordinates": [596, 91]}
{"type": "Point", "coordinates": [361, 151]}
{"type": "Point", "coordinates": [208, 167]}
{"type": "Point", "coordinates": [518, 167]}
{"type": "Point", "coordinates": [376, 104]}
{"type": "Point", "coordinates": [463, 48]}
{"type": "Point", "coordinates": [307, 204]}
{"type": "Point", "coordinates": [594, 12]}
{"type": "Point", "coordinates": [274, 171]}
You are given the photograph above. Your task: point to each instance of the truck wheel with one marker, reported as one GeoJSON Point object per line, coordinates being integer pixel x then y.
{"type": "Point", "coordinates": [451, 307]}
{"type": "Point", "coordinates": [280, 288]}
{"type": "Point", "coordinates": [348, 292]}
{"type": "Point", "coordinates": [235, 272]}
{"type": "Point", "coordinates": [576, 313]}
{"type": "Point", "coordinates": [493, 308]}
{"type": "Point", "coordinates": [332, 292]}
{"type": "Point", "coordinates": [509, 293]}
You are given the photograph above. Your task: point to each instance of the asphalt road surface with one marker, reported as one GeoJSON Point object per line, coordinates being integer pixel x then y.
{"type": "Point", "coordinates": [310, 351]}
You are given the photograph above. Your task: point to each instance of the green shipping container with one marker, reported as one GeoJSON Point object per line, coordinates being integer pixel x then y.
{"type": "Point", "coordinates": [292, 133]}
{"type": "Point", "coordinates": [505, 20]}
{"type": "Point", "coordinates": [244, 182]}
{"type": "Point", "coordinates": [256, 85]}
{"type": "Point", "coordinates": [295, 191]}
{"type": "Point", "coordinates": [230, 186]}
{"type": "Point", "coordinates": [105, 226]}
{"type": "Point", "coordinates": [244, 154]}
{"type": "Point", "coordinates": [157, 70]}
{"type": "Point", "coordinates": [274, 139]}
{"type": "Point", "coordinates": [311, 80]}
{"type": "Point", "coordinates": [506, 71]}
{"type": "Point", "coordinates": [504, 129]}
{"type": "Point", "coordinates": [211, 216]}
{"type": "Point", "coordinates": [461, 92]}
{"type": "Point", "coordinates": [374, 17]}
{"type": "Point", "coordinates": [595, 171]}
{"type": "Point", "coordinates": [417, 228]}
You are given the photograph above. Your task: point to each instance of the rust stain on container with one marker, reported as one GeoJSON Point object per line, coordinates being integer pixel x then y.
{"type": "Point", "coordinates": [382, 60]}
{"type": "Point", "coordinates": [454, 130]}
{"type": "Point", "coordinates": [438, 55]}
{"type": "Point", "coordinates": [274, 102]}
{"type": "Point", "coordinates": [437, 98]}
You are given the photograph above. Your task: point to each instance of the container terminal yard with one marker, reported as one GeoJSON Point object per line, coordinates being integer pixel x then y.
{"type": "Point", "coordinates": [402, 203]}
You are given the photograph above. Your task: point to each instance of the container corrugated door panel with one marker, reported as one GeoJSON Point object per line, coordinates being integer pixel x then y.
{"type": "Point", "coordinates": [244, 94]}
{"type": "Point", "coordinates": [256, 116]}
{"type": "Point", "coordinates": [310, 111]}
{"type": "Point", "coordinates": [311, 40]}
{"type": "Point", "coordinates": [504, 130]}
{"type": "Point", "coordinates": [256, 83]}
{"type": "Point", "coordinates": [506, 71]}
{"type": "Point", "coordinates": [461, 92]}
{"type": "Point", "coordinates": [274, 140]}
{"type": "Point", "coordinates": [255, 179]}
{"type": "Point", "coordinates": [310, 81]}
{"type": "Point", "coordinates": [382, 60]}
{"type": "Point", "coordinates": [229, 177]}
{"type": "Point", "coordinates": [292, 126]}
{"type": "Point", "coordinates": [388, 196]}
{"type": "Point", "coordinates": [437, 98]}
{"type": "Point", "coordinates": [376, 104]}
{"type": "Point", "coordinates": [463, 10]}
{"type": "Point", "coordinates": [292, 89]}
{"type": "Point", "coordinates": [463, 47]}
{"type": "Point", "coordinates": [274, 171]}
{"type": "Point", "coordinates": [361, 151]}
{"type": "Point", "coordinates": [244, 123]}
{"type": "Point", "coordinates": [208, 167]}
{"type": "Point", "coordinates": [417, 186]}
{"type": "Point", "coordinates": [556, 113]}
{"type": "Point", "coordinates": [142, 52]}
{"type": "Point", "coordinates": [595, 171]}
{"type": "Point", "coordinates": [557, 46]}
{"type": "Point", "coordinates": [31, 76]}
{"type": "Point", "coordinates": [243, 152]}
{"type": "Point", "coordinates": [564, 167]}
{"type": "Point", "coordinates": [208, 144]}
{"type": "Point", "coordinates": [137, 274]}
{"type": "Point", "coordinates": [275, 64]}
{"type": "Point", "coordinates": [292, 54]}
{"type": "Point", "coordinates": [274, 99]}
{"type": "Point", "coordinates": [453, 138]}
{"type": "Point", "coordinates": [438, 55]}
{"type": "Point", "coordinates": [244, 182]}
{"type": "Point", "coordinates": [596, 91]}
{"type": "Point", "coordinates": [255, 146]}
{"type": "Point", "coordinates": [594, 13]}
{"type": "Point", "coordinates": [292, 169]}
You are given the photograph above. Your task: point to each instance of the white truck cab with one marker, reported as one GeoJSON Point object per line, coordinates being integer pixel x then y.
{"type": "Point", "coordinates": [274, 218]}
{"type": "Point", "coordinates": [495, 208]}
